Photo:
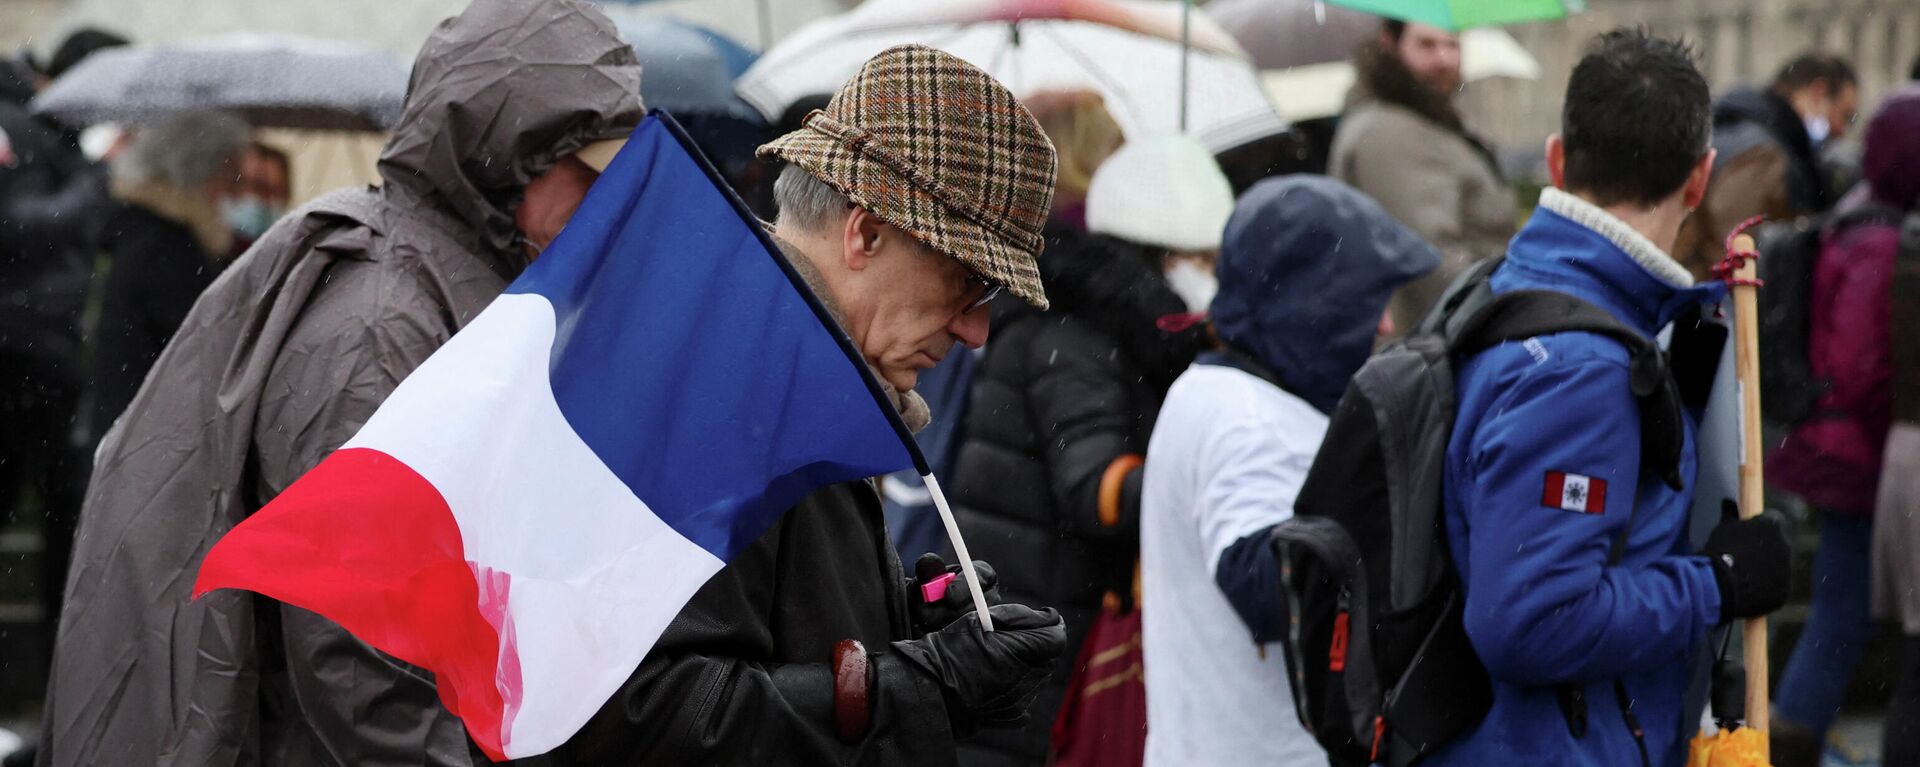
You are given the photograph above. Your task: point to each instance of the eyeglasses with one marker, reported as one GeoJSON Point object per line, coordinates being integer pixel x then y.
{"type": "Point", "coordinates": [992, 291]}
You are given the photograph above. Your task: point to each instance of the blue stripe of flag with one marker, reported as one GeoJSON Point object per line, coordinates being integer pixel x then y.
{"type": "Point", "coordinates": [691, 358]}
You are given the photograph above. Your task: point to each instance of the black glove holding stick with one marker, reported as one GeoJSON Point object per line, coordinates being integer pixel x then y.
{"type": "Point", "coordinates": [988, 679]}
{"type": "Point", "coordinates": [1752, 565]}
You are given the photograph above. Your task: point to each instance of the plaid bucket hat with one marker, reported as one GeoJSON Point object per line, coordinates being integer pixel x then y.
{"type": "Point", "coordinates": [934, 146]}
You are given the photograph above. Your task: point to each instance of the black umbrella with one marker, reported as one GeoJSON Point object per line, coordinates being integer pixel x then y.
{"type": "Point", "coordinates": [271, 80]}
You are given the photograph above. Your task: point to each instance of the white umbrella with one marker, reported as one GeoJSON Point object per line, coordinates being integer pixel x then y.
{"type": "Point", "coordinates": [1320, 90]}
{"type": "Point", "coordinates": [1491, 52]}
{"type": "Point", "coordinates": [1126, 50]}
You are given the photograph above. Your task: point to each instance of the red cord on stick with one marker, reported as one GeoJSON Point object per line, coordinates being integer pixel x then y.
{"type": "Point", "coordinates": [1738, 254]}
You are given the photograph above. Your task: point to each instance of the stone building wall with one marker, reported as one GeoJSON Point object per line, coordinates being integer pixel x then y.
{"type": "Point", "coordinates": [1740, 42]}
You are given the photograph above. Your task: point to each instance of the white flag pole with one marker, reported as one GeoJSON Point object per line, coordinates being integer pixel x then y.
{"type": "Point", "coordinates": [960, 550]}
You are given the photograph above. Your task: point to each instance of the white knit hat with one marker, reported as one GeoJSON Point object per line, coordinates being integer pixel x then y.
{"type": "Point", "coordinates": [1164, 191]}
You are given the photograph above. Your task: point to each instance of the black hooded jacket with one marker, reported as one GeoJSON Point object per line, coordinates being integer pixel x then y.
{"type": "Point", "coordinates": [1057, 398]}
{"type": "Point", "coordinates": [51, 203]}
{"type": "Point", "coordinates": [1772, 114]}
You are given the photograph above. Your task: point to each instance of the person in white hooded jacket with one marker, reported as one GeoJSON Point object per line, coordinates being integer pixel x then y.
{"type": "Point", "coordinates": [1306, 268]}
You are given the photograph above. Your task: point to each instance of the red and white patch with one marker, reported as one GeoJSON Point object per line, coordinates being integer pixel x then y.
{"type": "Point", "coordinates": [1574, 492]}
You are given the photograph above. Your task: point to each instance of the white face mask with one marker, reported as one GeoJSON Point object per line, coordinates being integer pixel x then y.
{"type": "Point", "coordinates": [1193, 283]}
{"type": "Point", "coordinates": [1818, 129]}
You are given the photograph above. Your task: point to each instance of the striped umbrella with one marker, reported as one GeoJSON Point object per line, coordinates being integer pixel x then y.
{"type": "Point", "coordinates": [1128, 51]}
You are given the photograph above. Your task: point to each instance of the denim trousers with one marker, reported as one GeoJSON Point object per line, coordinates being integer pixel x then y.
{"type": "Point", "coordinates": [1814, 684]}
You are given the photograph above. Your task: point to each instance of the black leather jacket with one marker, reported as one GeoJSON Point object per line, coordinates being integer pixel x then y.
{"type": "Point", "coordinates": [743, 675]}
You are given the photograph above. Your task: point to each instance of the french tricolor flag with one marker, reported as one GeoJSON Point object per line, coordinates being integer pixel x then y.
{"type": "Point", "coordinates": [532, 506]}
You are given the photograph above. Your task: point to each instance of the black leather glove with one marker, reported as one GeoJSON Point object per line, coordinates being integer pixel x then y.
{"type": "Point", "coordinates": [1752, 565]}
{"type": "Point", "coordinates": [989, 679]}
{"type": "Point", "coordinates": [929, 617]}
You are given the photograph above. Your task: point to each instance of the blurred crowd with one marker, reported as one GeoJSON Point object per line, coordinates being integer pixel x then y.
{"type": "Point", "coordinates": [1123, 454]}
{"type": "Point", "coordinates": [104, 254]}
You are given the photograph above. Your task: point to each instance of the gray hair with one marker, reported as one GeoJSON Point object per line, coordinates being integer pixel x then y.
{"type": "Point", "coordinates": [185, 150]}
{"type": "Point", "coordinates": [805, 201]}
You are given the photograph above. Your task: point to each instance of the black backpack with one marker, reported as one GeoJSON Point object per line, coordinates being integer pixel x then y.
{"type": "Point", "coordinates": [1380, 662]}
{"type": "Point", "coordinates": [1788, 252]}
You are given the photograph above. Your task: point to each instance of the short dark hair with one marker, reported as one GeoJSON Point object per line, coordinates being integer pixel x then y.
{"type": "Point", "coordinates": [1393, 28]}
{"type": "Point", "coordinates": [1636, 118]}
{"type": "Point", "coordinates": [1815, 67]}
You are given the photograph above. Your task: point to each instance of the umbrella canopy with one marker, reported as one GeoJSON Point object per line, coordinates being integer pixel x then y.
{"type": "Point", "coordinates": [685, 69]}
{"type": "Point", "coordinates": [1320, 90]}
{"type": "Point", "coordinates": [744, 20]}
{"type": "Point", "coordinates": [1126, 50]}
{"type": "Point", "coordinates": [1290, 33]}
{"type": "Point", "coordinates": [271, 80]}
{"type": "Point", "coordinates": [1462, 14]}
{"type": "Point", "coordinates": [401, 25]}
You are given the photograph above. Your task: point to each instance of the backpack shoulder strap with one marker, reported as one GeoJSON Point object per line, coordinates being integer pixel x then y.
{"type": "Point", "coordinates": [1462, 297]}
{"type": "Point", "coordinates": [1869, 213]}
{"type": "Point", "coordinates": [1524, 314]}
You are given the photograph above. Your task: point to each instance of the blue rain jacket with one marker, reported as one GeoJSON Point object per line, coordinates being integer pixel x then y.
{"type": "Point", "coordinates": [1543, 607]}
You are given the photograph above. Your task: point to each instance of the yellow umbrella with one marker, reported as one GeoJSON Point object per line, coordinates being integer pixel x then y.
{"type": "Point", "coordinates": [1744, 746]}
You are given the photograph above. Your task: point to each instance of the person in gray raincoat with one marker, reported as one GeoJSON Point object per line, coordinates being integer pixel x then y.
{"type": "Point", "coordinates": [281, 360]}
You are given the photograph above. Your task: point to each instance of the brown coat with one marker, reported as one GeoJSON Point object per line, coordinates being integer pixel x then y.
{"type": "Point", "coordinates": [281, 360]}
{"type": "Point", "coordinates": [1404, 146]}
{"type": "Point", "coordinates": [1748, 184]}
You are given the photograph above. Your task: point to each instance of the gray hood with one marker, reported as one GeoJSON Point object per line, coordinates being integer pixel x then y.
{"type": "Point", "coordinates": [498, 95]}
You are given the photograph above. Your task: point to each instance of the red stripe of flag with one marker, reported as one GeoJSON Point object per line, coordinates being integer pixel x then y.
{"type": "Point", "coordinates": [366, 541]}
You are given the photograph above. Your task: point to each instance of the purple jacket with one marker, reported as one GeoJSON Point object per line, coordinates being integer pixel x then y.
{"type": "Point", "coordinates": [1835, 462]}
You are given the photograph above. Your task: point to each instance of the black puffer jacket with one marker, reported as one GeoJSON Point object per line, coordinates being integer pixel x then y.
{"type": "Point", "coordinates": [51, 203]}
{"type": "Point", "coordinates": [1058, 397]}
{"type": "Point", "coordinates": [159, 270]}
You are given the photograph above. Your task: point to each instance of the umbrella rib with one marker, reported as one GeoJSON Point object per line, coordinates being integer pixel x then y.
{"type": "Point", "coordinates": [1086, 65]}
{"type": "Point", "coordinates": [794, 59]}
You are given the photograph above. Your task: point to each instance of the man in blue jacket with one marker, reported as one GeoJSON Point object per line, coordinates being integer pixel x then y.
{"type": "Point", "coordinates": [1591, 658]}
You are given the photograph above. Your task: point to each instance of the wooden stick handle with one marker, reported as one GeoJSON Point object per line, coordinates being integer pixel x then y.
{"type": "Point", "coordinates": [1746, 363]}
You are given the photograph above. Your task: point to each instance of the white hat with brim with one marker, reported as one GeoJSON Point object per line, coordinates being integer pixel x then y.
{"type": "Point", "coordinates": [1163, 191]}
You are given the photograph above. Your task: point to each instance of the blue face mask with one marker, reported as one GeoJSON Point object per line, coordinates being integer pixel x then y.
{"type": "Point", "coordinates": [1818, 130]}
{"type": "Point", "coordinates": [248, 217]}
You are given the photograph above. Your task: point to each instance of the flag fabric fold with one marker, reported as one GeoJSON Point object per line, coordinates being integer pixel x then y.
{"type": "Point", "coordinates": [530, 508]}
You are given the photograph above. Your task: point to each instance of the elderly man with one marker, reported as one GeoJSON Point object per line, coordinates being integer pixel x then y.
{"type": "Point", "coordinates": [283, 358]}
{"type": "Point", "coordinates": [914, 198]}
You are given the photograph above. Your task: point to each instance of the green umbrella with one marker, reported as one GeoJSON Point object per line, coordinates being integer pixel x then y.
{"type": "Point", "coordinates": [1462, 14]}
